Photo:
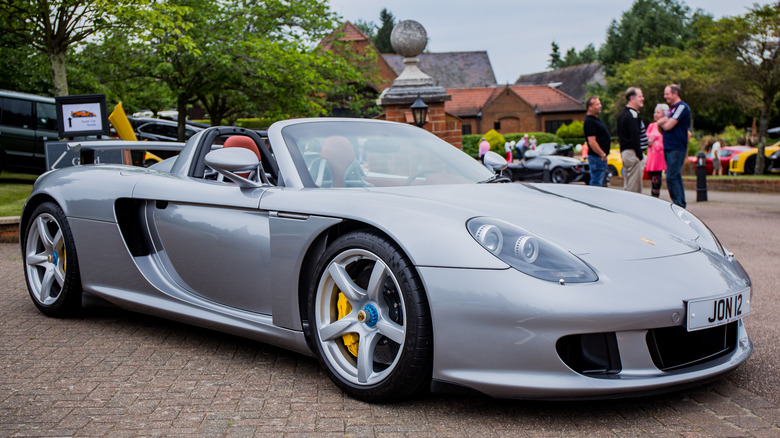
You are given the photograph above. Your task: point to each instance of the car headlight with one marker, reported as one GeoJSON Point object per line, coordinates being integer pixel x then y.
{"type": "Point", "coordinates": [706, 239]}
{"type": "Point", "coordinates": [529, 253]}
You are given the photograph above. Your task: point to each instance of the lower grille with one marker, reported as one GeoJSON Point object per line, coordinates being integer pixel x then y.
{"type": "Point", "coordinates": [593, 354]}
{"type": "Point", "coordinates": [674, 347]}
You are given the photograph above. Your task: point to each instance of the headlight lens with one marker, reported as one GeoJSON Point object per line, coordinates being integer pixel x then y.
{"type": "Point", "coordinates": [529, 253]}
{"type": "Point", "coordinates": [706, 239]}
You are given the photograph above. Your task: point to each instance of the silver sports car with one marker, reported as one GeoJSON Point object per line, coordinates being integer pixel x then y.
{"type": "Point", "coordinates": [397, 260]}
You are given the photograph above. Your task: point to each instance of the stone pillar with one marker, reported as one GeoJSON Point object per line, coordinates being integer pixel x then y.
{"type": "Point", "coordinates": [409, 40]}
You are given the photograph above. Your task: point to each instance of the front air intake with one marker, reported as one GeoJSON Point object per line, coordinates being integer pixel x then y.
{"type": "Point", "coordinates": [674, 347]}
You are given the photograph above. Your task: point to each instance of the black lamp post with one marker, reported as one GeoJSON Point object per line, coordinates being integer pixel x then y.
{"type": "Point", "coordinates": [419, 112]}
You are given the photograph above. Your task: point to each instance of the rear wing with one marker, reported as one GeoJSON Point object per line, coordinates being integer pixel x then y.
{"type": "Point", "coordinates": [73, 153]}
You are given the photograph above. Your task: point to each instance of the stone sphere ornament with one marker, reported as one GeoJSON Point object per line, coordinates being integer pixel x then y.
{"type": "Point", "coordinates": [409, 38]}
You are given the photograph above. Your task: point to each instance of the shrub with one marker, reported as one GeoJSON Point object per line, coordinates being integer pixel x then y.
{"type": "Point", "coordinates": [496, 141]}
{"type": "Point", "coordinates": [573, 130]}
{"type": "Point", "coordinates": [471, 144]}
{"type": "Point", "coordinates": [733, 136]}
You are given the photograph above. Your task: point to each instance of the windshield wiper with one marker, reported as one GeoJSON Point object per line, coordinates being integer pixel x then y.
{"type": "Point", "coordinates": [496, 179]}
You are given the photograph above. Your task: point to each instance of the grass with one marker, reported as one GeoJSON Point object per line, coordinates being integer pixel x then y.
{"type": "Point", "coordinates": [14, 190]}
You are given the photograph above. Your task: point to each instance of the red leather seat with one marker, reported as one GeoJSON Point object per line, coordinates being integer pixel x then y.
{"type": "Point", "coordinates": [242, 141]}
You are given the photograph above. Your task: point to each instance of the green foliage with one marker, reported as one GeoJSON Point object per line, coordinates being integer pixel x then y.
{"type": "Point", "coordinates": [749, 47]}
{"type": "Point", "coordinates": [496, 141]}
{"type": "Point", "coordinates": [573, 130]}
{"type": "Point", "coordinates": [24, 69]}
{"type": "Point", "coordinates": [471, 144]}
{"type": "Point", "coordinates": [15, 188]}
{"type": "Point", "coordinates": [369, 28]}
{"type": "Point", "coordinates": [555, 56]}
{"type": "Point", "coordinates": [254, 123]}
{"type": "Point", "coordinates": [382, 39]}
{"type": "Point", "coordinates": [732, 136]}
{"type": "Point", "coordinates": [238, 59]}
{"type": "Point", "coordinates": [587, 55]}
{"type": "Point", "coordinates": [648, 24]}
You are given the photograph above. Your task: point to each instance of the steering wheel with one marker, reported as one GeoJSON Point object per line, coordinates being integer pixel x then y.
{"type": "Point", "coordinates": [419, 173]}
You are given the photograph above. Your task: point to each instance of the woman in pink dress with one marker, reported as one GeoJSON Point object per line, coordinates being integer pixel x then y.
{"type": "Point", "coordinates": [655, 152]}
{"type": "Point", "coordinates": [484, 146]}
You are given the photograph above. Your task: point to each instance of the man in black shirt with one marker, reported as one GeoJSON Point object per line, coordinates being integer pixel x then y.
{"type": "Point", "coordinates": [597, 138]}
{"type": "Point", "coordinates": [632, 138]}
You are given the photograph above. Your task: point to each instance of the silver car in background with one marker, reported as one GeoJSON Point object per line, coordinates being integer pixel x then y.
{"type": "Point", "coordinates": [397, 260]}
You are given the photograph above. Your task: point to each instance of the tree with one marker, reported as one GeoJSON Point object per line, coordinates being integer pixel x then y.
{"type": "Point", "coordinates": [52, 27]}
{"type": "Point", "coordinates": [367, 27]}
{"type": "Point", "coordinates": [382, 40]}
{"type": "Point", "coordinates": [240, 58]}
{"type": "Point", "coordinates": [751, 45]}
{"type": "Point", "coordinates": [555, 56]}
{"type": "Point", "coordinates": [24, 69]}
{"type": "Point", "coordinates": [648, 24]}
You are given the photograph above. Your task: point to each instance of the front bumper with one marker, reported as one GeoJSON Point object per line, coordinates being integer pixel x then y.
{"type": "Point", "coordinates": [498, 331]}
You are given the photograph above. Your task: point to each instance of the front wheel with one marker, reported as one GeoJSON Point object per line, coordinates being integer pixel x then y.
{"type": "Point", "coordinates": [50, 265]}
{"type": "Point", "coordinates": [371, 325]}
{"type": "Point", "coordinates": [750, 166]}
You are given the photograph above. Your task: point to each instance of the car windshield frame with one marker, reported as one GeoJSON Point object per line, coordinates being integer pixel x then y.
{"type": "Point", "coordinates": [382, 154]}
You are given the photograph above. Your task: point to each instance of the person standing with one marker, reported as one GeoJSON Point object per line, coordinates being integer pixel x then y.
{"type": "Point", "coordinates": [597, 138]}
{"type": "Point", "coordinates": [655, 153]}
{"type": "Point", "coordinates": [717, 167]}
{"type": "Point", "coordinates": [632, 138]}
{"type": "Point", "coordinates": [521, 147]}
{"type": "Point", "coordinates": [675, 129]}
{"type": "Point", "coordinates": [484, 147]}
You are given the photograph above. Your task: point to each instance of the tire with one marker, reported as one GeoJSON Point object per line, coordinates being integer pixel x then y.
{"type": "Point", "coordinates": [388, 312]}
{"type": "Point", "coordinates": [611, 171]}
{"type": "Point", "coordinates": [558, 176]}
{"type": "Point", "coordinates": [750, 165]}
{"type": "Point", "coordinates": [51, 267]}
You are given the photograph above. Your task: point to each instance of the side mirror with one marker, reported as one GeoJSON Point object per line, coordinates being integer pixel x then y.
{"type": "Point", "coordinates": [232, 160]}
{"type": "Point", "coordinates": [495, 162]}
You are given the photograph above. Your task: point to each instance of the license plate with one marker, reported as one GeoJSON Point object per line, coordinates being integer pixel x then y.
{"type": "Point", "coordinates": [712, 312]}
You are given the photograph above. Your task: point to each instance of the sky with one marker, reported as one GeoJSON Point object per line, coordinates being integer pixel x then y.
{"type": "Point", "coordinates": [516, 34]}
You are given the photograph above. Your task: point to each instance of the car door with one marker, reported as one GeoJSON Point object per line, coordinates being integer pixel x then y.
{"type": "Point", "coordinates": [17, 132]}
{"type": "Point", "coordinates": [211, 238]}
{"type": "Point", "coordinates": [45, 130]}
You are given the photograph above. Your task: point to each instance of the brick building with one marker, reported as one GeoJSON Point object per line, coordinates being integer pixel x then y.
{"type": "Point", "coordinates": [513, 108]}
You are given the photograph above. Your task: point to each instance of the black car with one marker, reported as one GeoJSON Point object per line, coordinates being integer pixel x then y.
{"type": "Point", "coordinates": [160, 129]}
{"type": "Point", "coordinates": [27, 122]}
{"type": "Point", "coordinates": [560, 169]}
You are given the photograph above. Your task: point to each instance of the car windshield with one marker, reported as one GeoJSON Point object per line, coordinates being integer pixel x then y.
{"type": "Point", "coordinates": [354, 154]}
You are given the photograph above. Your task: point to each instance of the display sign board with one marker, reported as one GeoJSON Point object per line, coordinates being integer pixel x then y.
{"type": "Point", "coordinates": [58, 155]}
{"type": "Point", "coordinates": [82, 115]}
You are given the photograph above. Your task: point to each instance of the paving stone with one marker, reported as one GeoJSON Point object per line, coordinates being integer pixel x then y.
{"type": "Point", "coordinates": [120, 374]}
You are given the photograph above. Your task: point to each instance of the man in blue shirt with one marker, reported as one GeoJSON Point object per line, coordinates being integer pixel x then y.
{"type": "Point", "coordinates": [675, 131]}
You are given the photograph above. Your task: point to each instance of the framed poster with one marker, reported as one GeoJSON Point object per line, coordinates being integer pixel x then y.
{"type": "Point", "coordinates": [82, 115]}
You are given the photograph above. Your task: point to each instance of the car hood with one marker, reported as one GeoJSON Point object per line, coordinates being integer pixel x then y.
{"type": "Point", "coordinates": [607, 223]}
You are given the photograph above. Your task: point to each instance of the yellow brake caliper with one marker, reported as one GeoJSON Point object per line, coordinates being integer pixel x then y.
{"type": "Point", "coordinates": [351, 340]}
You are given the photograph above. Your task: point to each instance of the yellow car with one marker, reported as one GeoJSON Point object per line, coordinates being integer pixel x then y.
{"type": "Point", "coordinates": [614, 163]}
{"type": "Point", "coordinates": [745, 163]}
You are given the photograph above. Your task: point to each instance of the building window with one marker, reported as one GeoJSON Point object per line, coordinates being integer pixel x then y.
{"type": "Point", "coordinates": [553, 125]}
{"type": "Point", "coordinates": [497, 125]}
{"type": "Point", "coordinates": [466, 129]}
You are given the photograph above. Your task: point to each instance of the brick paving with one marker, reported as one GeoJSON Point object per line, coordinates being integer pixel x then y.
{"type": "Point", "coordinates": [120, 374]}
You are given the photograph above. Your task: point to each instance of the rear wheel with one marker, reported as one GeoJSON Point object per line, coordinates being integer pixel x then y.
{"type": "Point", "coordinates": [611, 171]}
{"type": "Point", "coordinates": [50, 264]}
{"type": "Point", "coordinates": [371, 325]}
{"type": "Point", "coordinates": [558, 176]}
